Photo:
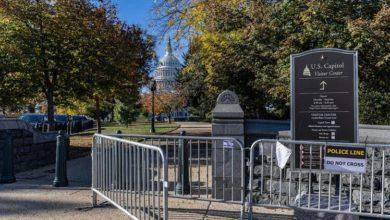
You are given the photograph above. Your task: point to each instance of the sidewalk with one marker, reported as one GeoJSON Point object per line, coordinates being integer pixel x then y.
{"type": "Point", "coordinates": [193, 128]}
{"type": "Point", "coordinates": [33, 197]}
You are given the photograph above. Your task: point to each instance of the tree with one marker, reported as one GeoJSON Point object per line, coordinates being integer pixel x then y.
{"type": "Point", "coordinates": [46, 44]}
{"type": "Point", "coordinates": [116, 58]}
{"type": "Point", "coordinates": [169, 102]}
{"type": "Point", "coordinates": [76, 51]}
{"type": "Point", "coordinates": [125, 113]}
{"type": "Point", "coordinates": [14, 89]}
{"type": "Point", "coordinates": [245, 46]}
{"type": "Point", "coordinates": [370, 37]}
{"type": "Point", "coordinates": [192, 87]}
{"type": "Point", "coordinates": [105, 109]}
{"type": "Point", "coordinates": [164, 102]}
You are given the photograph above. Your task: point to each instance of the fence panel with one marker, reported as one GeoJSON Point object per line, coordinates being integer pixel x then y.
{"type": "Point", "coordinates": [305, 184]}
{"type": "Point", "coordinates": [130, 175]}
{"type": "Point", "coordinates": [216, 166]}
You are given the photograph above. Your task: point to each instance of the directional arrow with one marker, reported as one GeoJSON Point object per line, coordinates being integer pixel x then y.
{"type": "Point", "coordinates": [323, 83]}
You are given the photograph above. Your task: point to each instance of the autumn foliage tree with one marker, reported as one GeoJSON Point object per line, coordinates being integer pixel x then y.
{"type": "Point", "coordinates": [41, 46]}
{"type": "Point", "coordinates": [70, 51]}
{"type": "Point", "coordinates": [245, 46]}
{"type": "Point", "coordinates": [164, 102]}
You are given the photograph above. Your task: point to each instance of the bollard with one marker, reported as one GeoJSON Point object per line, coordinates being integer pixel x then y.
{"type": "Point", "coordinates": [68, 125]}
{"type": "Point", "coordinates": [8, 175]}
{"type": "Point", "coordinates": [183, 184]}
{"type": "Point", "coordinates": [61, 178]}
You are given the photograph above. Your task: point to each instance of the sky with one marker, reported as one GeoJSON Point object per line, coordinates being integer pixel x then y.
{"type": "Point", "coordinates": [139, 12]}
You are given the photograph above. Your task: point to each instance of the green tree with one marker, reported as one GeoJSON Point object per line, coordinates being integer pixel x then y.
{"type": "Point", "coordinates": [106, 108]}
{"type": "Point", "coordinates": [245, 46]}
{"type": "Point", "coordinates": [125, 113]}
{"type": "Point", "coordinates": [192, 87]}
{"type": "Point", "coordinates": [116, 58]}
{"type": "Point", "coordinates": [75, 50]}
{"type": "Point", "coordinates": [46, 46]}
{"type": "Point", "coordinates": [12, 93]}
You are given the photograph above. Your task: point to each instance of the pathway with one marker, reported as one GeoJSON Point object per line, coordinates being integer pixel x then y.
{"type": "Point", "coordinates": [33, 197]}
{"type": "Point", "coordinates": [193, 128]}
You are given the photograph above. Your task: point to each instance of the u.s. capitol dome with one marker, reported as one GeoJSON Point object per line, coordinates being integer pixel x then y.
{"type": "Point", "coordinates": [166, 74]}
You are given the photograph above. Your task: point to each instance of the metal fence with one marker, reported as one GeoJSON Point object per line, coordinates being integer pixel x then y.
{"type": "Point", "coordinates": [304, 184]}
{"type": "Point", "coordinates": [130, 175]}
{"type": "Point", "coordinates": [127, 171]}
{"type": "Point", "coordinates": [138, 173]}
{"type": "Point", "coordinates": [216, 166]}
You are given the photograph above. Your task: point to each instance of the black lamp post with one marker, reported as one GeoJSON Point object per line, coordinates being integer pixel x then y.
{"type": "Point", "coordinates": [153, 89]}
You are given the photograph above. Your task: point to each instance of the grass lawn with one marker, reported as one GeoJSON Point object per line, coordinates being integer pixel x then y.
{"type": "Point", "coordinates": [84, 139]}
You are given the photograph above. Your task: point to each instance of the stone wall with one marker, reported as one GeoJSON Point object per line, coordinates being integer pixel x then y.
{"type": "Point", "coordinates": [268, 176]}
{"type": "Point", "coordinates": [372, 134]}
{"type": "Point", "coordinates": [27, 153]}
{"type": "Point", "coordinates": [17, 124]}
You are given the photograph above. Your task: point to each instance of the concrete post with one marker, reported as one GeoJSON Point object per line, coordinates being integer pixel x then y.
{"type": "Point", "coordinates": [228, 121]}
{"type": "Point", "coordinates": [8, 175]}
{"type": "Point", "coordinates": [183, 183]}
{"type": "Point", "coordinates": [61, 178]}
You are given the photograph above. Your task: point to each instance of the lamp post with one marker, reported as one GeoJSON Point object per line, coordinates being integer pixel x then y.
{"type": "Point", "coordinates": [153, 89]}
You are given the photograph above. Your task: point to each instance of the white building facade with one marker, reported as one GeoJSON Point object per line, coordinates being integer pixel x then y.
{"type": "Point", "coordinates": [166, 77]}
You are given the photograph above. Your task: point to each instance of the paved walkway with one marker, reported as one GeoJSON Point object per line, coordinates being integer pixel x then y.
{"type": "Point", "coordinates": [33, 197]}
{"type": "Point", "coordinates": [193, 128]}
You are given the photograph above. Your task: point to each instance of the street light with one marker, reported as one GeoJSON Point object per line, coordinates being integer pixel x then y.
{"type": "Point", "coordinates": [153, 89]}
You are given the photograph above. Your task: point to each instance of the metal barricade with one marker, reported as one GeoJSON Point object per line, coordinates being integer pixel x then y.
{"type": "Point", "coordinates": [131, 176]}
{"type": "Point", "coordinates": [216, 166]}
{"type": "Point", "coordinates": [307, 186]}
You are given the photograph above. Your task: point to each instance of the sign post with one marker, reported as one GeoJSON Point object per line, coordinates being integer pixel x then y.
{"type": "Point", "coordinates": [324, 100]}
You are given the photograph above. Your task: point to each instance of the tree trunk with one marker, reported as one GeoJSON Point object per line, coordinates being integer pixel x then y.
{"type": "Point", "coordinates": [169, 118]}
{"type": "Point", "coordinates": [98, 119]}
{"type": "Point", "coordinates": [50, 108]}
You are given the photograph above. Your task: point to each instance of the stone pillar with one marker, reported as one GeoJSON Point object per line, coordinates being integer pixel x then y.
{"type": "Point", "coordinates": [227, 121]}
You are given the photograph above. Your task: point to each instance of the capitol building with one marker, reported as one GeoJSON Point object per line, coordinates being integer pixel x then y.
{"type": "Point", "coordinates": [166, 77]}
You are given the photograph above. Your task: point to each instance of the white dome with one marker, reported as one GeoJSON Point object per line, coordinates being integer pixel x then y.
{"type": "Point", "coordinates": [167, 71]}
{"type": "Point", "coordinates": [169, 60]}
